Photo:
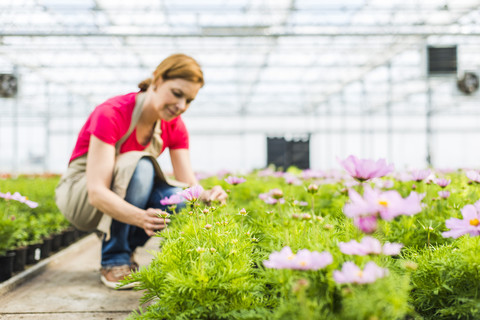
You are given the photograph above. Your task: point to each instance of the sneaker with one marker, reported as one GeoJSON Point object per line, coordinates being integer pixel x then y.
{"type": "Point", "coordinates": [133, 264]}
{"type": "Point", "coordinates": [111, 276]}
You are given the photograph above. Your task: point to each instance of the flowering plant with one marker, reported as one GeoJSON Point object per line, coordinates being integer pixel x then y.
{"type": "Point", "coordinates": [380, 204]}
{"type": "Point", "coordinates": [351, 273]}
{"type": "Point", "coordinates": [470, 224]}
{"type": "Point", "coordinates": [235, 180]}
{"type": "Point", "coordinates": [192, 194]}
{"type": "Point", "coordinates": [303, 260]}
{"type": "Point", "coordinates": [366, 169]}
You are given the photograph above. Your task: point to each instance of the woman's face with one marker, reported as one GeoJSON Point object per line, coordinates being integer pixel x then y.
{"type": "Point", "coordinates": [171, 98]}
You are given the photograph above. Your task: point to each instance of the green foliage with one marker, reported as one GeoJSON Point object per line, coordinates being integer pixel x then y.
{"type": "Point", "coordinates": [447, 280]}
{"type": "Point", "coordinates": [7, 229]}
{"type": "Point", "coordinates": [232, 283]}
{"type": "Point", "coordinates": [31, 225]}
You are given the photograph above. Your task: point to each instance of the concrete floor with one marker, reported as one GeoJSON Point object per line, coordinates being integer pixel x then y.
{"type": "Point", "coordinates": [69, 287]}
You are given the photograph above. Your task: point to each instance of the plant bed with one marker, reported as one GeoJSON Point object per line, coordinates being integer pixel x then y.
{"type": "Point", "coordinates": [37, 226]}
{"type": "Point", "coordinates": [322, 245]}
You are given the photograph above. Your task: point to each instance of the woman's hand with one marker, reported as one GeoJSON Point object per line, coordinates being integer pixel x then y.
{"type": "Point", "coordinates": [216, 193]}
{"type": "Point", "coordinates": [152, 221]}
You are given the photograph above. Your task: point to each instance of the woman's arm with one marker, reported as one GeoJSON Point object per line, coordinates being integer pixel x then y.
{"type": "Point", "coordinates": [100, 166]}
{"type": "Point", "coordinates": [183, 171]}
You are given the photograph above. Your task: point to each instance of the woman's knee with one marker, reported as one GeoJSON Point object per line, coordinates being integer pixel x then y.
{"type": "Point", "coordinates": [141, 183]}
{"type": "Point", "coordinates": [144, 169]}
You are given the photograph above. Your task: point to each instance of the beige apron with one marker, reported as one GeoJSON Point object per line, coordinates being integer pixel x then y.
{"type": "Point", "coordinates": [71, 194]}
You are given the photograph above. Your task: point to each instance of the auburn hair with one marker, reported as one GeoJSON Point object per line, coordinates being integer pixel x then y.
{"type": "Point", "coordinates": [176, 66]}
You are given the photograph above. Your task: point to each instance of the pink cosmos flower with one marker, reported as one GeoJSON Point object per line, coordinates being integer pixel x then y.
{"type": "Point", "coordinates": [18, 197]}
{"type": "Point", "coordinates": [291, 179]}
{"type": "Point", "coordinates": [469, 224]}
{"type": "Point", "coordinates": [473, 175]}
{"type": "Point", "coordinates": [265, 172]}
{"type": "Point", "coordinates": [419, 175]}
{"type": "Point", "coordinates": [173, 199]}
{"type": "Point", "coordinates": [31, 204]}
{"type": "Point", "coordinates": [387, 204]}
{"type": "Point", "coordinates": [369, 245]}
{"type": "Point", "coordinates": [365, 169]}
{"type": "Point", "coordinates": [300, 203]}
{"type": "Point", "coordinates": [303, 260]}
{"type": "Point", "coordinates": [278, 174]}
{"type": "Point", "coordinates": [272, 197]}
{"type": "Point", "coordinates": [193, 193]}
{"type": "Point", "coordinates": [235, 180]}
{"type": "Point", "coordinates": [351, 273]}
{"type": "Point", "coordinates": [392, 249]}
{"type": "Point", "coordinates": [6, 196]}
{"type": "Point", "coordinates": [311, 174]}
{"type": "Point", "coordinates": [442, 182]}
{"type": "Point", "coordinates": [270, 200]}
{"type": "Point", "coordinates": [368, 224]}
{"type": "Point", "coordinates": [444, 194]}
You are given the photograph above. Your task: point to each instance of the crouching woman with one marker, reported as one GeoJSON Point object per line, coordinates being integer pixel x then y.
{"type": "Point", "coordinates": [113, 182]}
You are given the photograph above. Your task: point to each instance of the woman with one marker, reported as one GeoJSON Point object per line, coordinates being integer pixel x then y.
{"type": "Point", "coordinates": [113, 182]}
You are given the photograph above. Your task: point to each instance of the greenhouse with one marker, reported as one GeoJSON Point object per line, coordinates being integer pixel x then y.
{"type": "Point", "coordinates": [326, 168]}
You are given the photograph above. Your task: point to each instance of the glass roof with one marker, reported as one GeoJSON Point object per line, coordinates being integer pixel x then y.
{"type": "Point", "coordinates": [280, 57]}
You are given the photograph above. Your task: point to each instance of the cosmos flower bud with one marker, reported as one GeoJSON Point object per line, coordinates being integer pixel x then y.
{"type": "Point", "coordinates": [276, 193]}
{"type": "Point", "coordinates": [306, 216]}
{"type": "Point", "coordinates": [208, 226]}
{"type": "Point", "coordinates": [201, 250]}
{"type": "Point", "coordinates": [243, 212]}
{"type": "Point", "coordinates": [312, 188]}
{"type": "Point", "coordinates": [213, 250]}
{"type": "Point", "coordinates": [164, 214]}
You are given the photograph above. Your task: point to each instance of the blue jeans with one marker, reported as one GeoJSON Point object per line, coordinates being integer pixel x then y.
{"type": "Point", "coordinates": [143, 192]}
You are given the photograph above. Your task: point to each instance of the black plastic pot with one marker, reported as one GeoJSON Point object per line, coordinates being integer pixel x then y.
{"type": "Point", "coordinates": [68, 237]}
{"type": "Point", "coordinates": [46, 248]}
{"type": "Point", "coordinates": [34, 253]}
{"type": "Point", "coordinates": [56, 242]}
{"type": "Point", "coordinates": [76, 235]}
{"type": "Point", "coordinates": [6, 265]}
{"type": "Point", "coordinates": [20, 258]}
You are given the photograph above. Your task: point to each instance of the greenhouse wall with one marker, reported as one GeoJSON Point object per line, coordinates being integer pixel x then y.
{"type": "Point", "coordinates": [240, 144]}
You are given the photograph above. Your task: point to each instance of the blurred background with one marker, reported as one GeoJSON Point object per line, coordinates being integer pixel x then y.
{"type": "Point", "coordinates": [288, 82]}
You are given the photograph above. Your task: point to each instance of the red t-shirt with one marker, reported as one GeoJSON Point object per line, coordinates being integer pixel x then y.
{"type": "Point", "coordinates": [110, 121]}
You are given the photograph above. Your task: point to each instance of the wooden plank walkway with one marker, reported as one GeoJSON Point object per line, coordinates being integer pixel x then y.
{"type": "Point", "coordinates": [67, 286]}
